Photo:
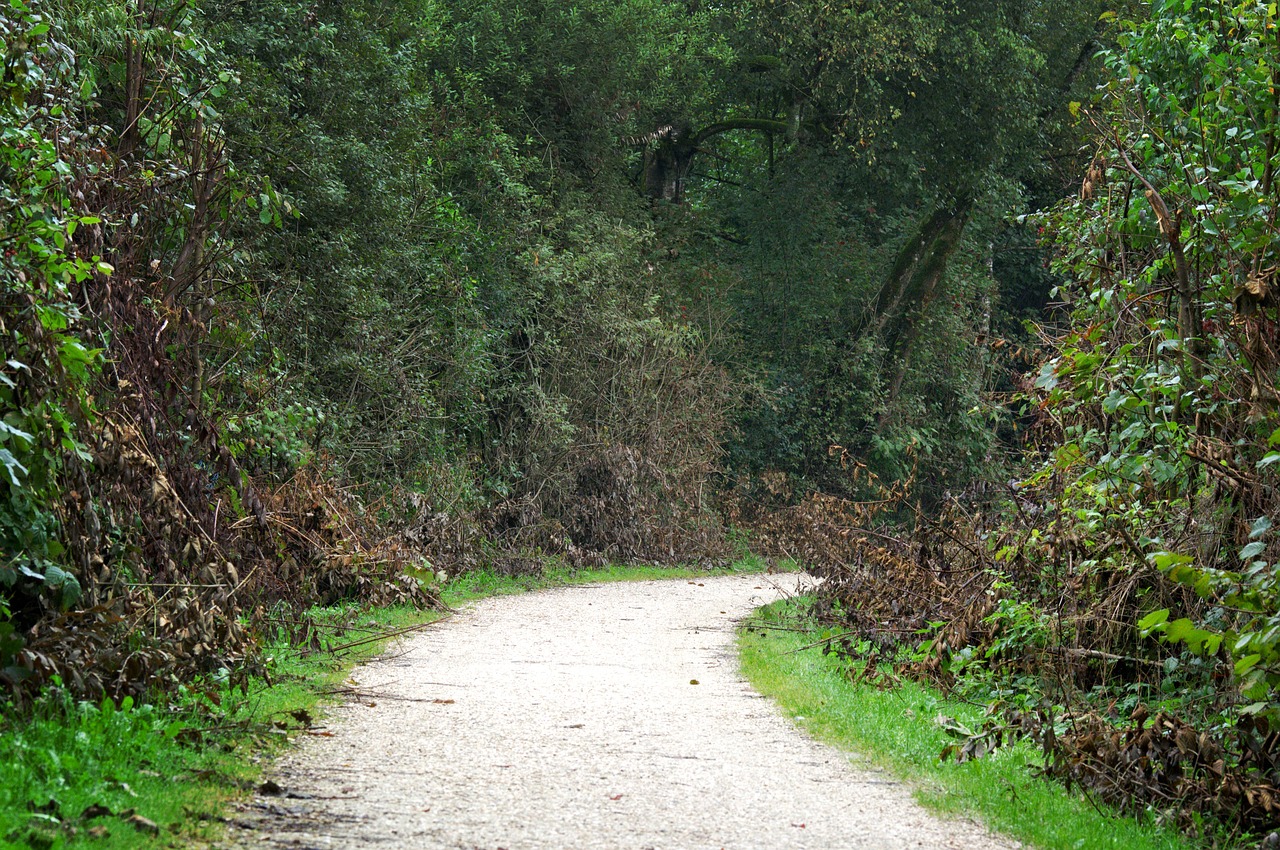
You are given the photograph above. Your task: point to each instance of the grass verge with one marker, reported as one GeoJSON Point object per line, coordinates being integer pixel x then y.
{"type": "Point", "coordinates": [896, 729]}
{"type": "Point", "coordinates": [106, 776]}
{"type": "Point", "coordinates": [482, 584]}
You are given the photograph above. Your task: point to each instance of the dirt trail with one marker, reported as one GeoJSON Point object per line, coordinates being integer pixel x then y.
{"type": "Point", "coordinates": [568, 719]}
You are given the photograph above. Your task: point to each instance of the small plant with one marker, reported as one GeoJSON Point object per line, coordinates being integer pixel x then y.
{"type": "Point", "coordinates": [1243, 619]}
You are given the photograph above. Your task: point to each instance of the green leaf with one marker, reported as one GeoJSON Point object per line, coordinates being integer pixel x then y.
{"type": "Point", "coordinates": [64, 586]}
{"type": "Point", "coordinates": [1155, 618]}
{"type": "Point", "coordinates": [1166, 560]}
{"type": "Point", "coordinates": [1179, 630]}
{"type": "Point", "coordinates": [1048, 378]}
{"type": "Point", "coordinates": [7, 430]}
{"type": "Point", "coordinates": [1244, 665]}
{"type": "Point", "coordinates": [1252, 550]}
{"type": "Point", "coordinates": [12, 467]}
{"type": "Point", "coordinates": [1260, 527]}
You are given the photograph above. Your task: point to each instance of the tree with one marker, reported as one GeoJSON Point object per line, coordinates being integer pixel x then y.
{"type": "Point", "coordinates": [916, 120]}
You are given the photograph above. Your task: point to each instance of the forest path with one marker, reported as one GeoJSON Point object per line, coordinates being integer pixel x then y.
{"type": "Point", "coordinates": [569, 719]}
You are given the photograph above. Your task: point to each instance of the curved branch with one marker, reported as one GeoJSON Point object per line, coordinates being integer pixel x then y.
{"type": "Point", "coordinates": [1189, 321]}
{"type": "Point", "coordinates": [768, 125]}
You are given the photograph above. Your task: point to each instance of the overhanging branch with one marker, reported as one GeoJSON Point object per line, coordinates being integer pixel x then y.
{"type": "Point", "coordinates": [767, 125]}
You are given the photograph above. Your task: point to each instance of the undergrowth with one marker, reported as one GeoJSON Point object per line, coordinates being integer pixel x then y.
{"type": "Point", "coordinates": [81, 773]}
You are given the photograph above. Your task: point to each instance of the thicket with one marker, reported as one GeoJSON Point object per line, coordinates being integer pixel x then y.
{"type": "Point", "coordinates": [307, 302]}
{"type": "Point", "coordinates": [1118, 601]}
{"type": "Point", "coordinates": [297, 310]}
{"type": "Point", "coordinates": [139, 547]}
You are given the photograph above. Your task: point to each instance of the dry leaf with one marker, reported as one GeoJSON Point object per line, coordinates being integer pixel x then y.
{"type": "Point", "coordinates": [142, 824]}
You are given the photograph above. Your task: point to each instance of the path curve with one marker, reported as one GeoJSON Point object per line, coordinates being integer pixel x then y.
{"type": "Point", "coordinates": [567, 719]}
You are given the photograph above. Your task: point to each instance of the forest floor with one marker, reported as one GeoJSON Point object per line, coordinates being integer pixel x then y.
{"type": "Point", "coordinates": [592, 716]}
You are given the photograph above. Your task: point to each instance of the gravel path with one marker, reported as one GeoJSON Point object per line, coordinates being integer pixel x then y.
{"type": "Point", "coordinates": [569, 719]}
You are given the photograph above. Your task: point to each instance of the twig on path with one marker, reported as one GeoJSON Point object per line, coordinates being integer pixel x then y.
{"type": "Point", "coordinates": [753, 624]}
{"type": "Point", "coordinates": [826, 640]}
{"type": "Point", "coordinates": [384, 636]}
{"type": "Point", "coordinates": [375, 695]}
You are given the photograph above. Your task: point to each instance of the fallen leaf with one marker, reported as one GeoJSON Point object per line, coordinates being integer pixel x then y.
{"type": "Point", "coordinates": [142, 824]}
{"type": "Point", "coordinates": [693, 682]}
{"type": "Point", "coordinates": [798, 825]}
{"type": "Point", "coordinates": [97, 810]}
{"type": "Point", "coordinates": [616, 797]}
{"type": "Point", "coordinates": [575, 725]}
{"type": "Point", "coordinates": [98, 832]}
{"type": "Point", "coordinates": [443, 701]}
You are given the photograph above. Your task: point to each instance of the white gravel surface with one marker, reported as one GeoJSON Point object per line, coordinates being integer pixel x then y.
{"type": "Point", "coordinates": [568, 719]}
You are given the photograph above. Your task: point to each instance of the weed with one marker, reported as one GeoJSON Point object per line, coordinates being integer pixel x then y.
{"type": "Point", "coordinates": [119, 775]}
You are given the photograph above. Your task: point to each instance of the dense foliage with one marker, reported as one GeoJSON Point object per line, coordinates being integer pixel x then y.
{"type": "Point", "coordinates": [308, 301]}
{"type": "Point", "coordinates": [1122, 604]}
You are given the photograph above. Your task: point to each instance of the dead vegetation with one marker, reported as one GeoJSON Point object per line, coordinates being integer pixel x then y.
{"type": "Point", "coordinates": [991, 598]}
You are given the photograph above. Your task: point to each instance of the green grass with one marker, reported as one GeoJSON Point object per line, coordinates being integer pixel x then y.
{"type": "Point", "coordinates": [896, 728]}
{"type": "Point", "coordinates": [68, 757]}
{"type": "Point", "coordinates": [482, 584]}
{"type": "Point", "coordinates": [178, 767]}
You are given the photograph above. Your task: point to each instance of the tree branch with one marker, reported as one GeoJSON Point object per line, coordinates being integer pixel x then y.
{"type": "Point", "coordinates": [1188, 318]}
{"type": "Point", "coordinates": [767, 125]}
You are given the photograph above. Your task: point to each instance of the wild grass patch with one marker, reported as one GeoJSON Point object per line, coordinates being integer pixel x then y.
{"type": "Point", "coordinates": [114, 776]}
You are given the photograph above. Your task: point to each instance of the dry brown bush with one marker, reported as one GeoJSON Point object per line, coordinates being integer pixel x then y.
{"type": "Point", "coordinates": [887, 590]}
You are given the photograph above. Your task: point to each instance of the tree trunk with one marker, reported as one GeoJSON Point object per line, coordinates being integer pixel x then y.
{"type": "Point", "coordinates": [911, 287]}
{"type": "Point", "coordinates": [667, 166]}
